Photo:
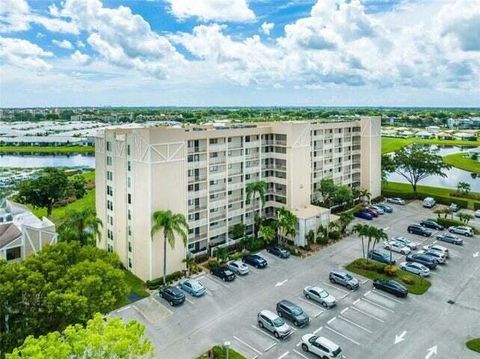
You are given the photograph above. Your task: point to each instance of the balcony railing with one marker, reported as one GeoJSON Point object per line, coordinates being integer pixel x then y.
{"type": "Point", "coordinates": [192, 179]}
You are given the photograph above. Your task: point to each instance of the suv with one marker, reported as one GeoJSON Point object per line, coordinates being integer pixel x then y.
{"type": "Point", "coordinates": [278, 251]}
{"type": "Point", "coordinates": [437, 248]}
{"type": "Point", "coordinates": [429, 202]}
{"type": "Point", "coordinates": [418, 229]}
{"type": "Point", "coordinates": [430, 223]}
{"type": "Point", "coordinates": [274, 324]}
{"type": "Point", "coordinates": [381, 256]}
{"type": "Point", "coordinates": [238, 267]}
{"type": "Point", "coordinates": [439, 257]}
{"type": "Point", "coordinates": [344, 279]}
{"type": "Point", "coordinates": [395, 246]}
{"type": "Point", "coordinates": [454, 207]}
{"type": "Point", "coordinates": [224, 273]}
{"type": "Point", "coordinates": [321, 347]}
{"type": "Point", "coordinates": [450, 238]}
{"type": "Point", "coordinates": [292, 312]}
{"type": "Point", "coordinates": [172, 295]}
{"type": "Point", "coordinates": [463, 230]}
{"type": "Point", "coordinates": [254, 260]}
{"type": "Point", "coordinates": [427, 261]}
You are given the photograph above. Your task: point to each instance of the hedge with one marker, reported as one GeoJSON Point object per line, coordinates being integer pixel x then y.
{"type": "Point", "coordinates": [158, 282]}
{"type": "Point", "coordinates": [462, 203]}
{"type": "Point", "coordinates": [218, 352]}
{"type": "Point", "coordinates": [447, 222]}
{"type": "Point", "coordinates": [476, 205]}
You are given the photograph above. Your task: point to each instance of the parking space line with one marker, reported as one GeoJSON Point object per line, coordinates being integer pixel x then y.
{"type": "Point", "coordinates": [343, 311]}
{"type": "Point", "coordinates": [303, 356]}
{"type": "Point", "coordinates": [299, 343]}
{"type": "Point", "coordinates": [368, 315]}
{"type": "Point", "coordinates": [355, 324]}
{"type": "Point", "coordinates": [378, 305]}
{"type": "Point", "coordinates": [344, 336]}
{"type": "Point", "coordinates": [188, 300]}
{"type": "Point", "coordinates": [365, 281]}
{"type": "Point", "coordinates": [317, 330]}
{"type": "Point", "coordinates": [331, 320]}
{"type": "Point", "coordinates": [123, 309]}
{"type": "Point", "coordinates": [263, 332]}
{"type": "Point", "coordinates": [270, 347]}
{"type": "Point", "coordinates": [366, 294]}
{"type": "Point", "coordinates": [336, 287]}
{"type": "Point", "coordinates": [212, 278]}
{"type": "Point", "coordinates": [355, 302]}
{"type": "Point", "coordinates": [318, 314]}
{"type": "Point", "coordinates": [307, 301]}
{"type": "Point", "coordinates": [386, 296]}
{"type": "Point", "coordinates": [248, 345]}
{"type": "Point", "coordinates": [283, 355]}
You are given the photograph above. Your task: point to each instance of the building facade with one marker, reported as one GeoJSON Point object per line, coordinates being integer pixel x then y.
{"type": "Point", "coordinates": [202, 172]}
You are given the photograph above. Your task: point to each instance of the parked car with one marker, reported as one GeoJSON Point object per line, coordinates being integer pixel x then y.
{"type": "Point", "coordinates": [454, 207]}
{"type": "Point", "coordinates": [439, 257]}
{"type": "Point", "coordinates": [429, 202]}
{"type": "Point", "coordinates": [463, 230]}
{"type": "Point", "coordinates": [363, 215]}
{"type": "Point", "coordinates": [391, 286]}
{"type": "Point", "coordinates": [450, 238]}
{"type": "Point", "coordinates": [255, 260]}
{"type": "Point", "coordinates": [418, 229]}
{"type": "Point", "coordinates": [371, 211]}
{"type": "Point", "coordinates": [278, 251]}
{"type": "Point", "coordinates": [396, 200]}
{"type": "Point", "coordinates": [381, 256]}
{"type": "Point", "coordinates": [238, 267]}
{"type": "Point", "coordinates": [477, 213]}
{"type": "Point", "coordinates": [378, 209]}
{"type": "Point", "coordinates": [395, 246]}
{"type": "Point", "coordinates": [274, 324]}
{"type": "Point", "coordinates": [437, 248]}
{"type": "Point", "coordinates": [321, 347]}
{"type": "Point", "coordinates": [385, 207]}
{"type": "Point", "coordinates": [292, 312]}
{"type": "Point", "coordinates": [193, 287]}
{"type": "Point", "coordinates": [427, 261]}
{"type": "Point", "coordinates": [344, 279]}
{"type": "Point", "coordinates": [224, 273]}
{"type": "Point", "coordinates": [415, 268]}
{"type": "Point", "coordinates": [406, 242]}
{"type": "Point", "coordinates": [172, 295]}
{"type": "Point", "coordinates": [320, 295]}
{"type": "Point", "coordinates": [430, 223]}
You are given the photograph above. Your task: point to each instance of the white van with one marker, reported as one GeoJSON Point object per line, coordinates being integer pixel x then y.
{"type": "Point", "coordinates": [429, 202]}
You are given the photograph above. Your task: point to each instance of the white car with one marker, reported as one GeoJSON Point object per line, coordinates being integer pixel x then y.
{"type": "Point", "coordinates": [477, 213]}
{"type": "Point", "coordinates": [437, 248]}
{"type": "Point", "coordinates": [406, 242]}
{"type": "Point", "coordinates": [396, 200]}
{"type": "Point", "coordinates": [398, 247]}
{"type": "Point", "coordinates": [415, 268]}
{"type": "Point", "coordinates": [320, 295]}
{"type": "Point", "coordinates": [463, 230]}
{"type": "Point", "coordinates": [238, 267]}
{"type": "Point", "coordinates": [321, 347]}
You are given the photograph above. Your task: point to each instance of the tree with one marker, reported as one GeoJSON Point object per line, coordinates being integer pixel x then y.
{"type": "Point", "coordinates": [49, 187]}
{"type": "Point", "coordinates": [237, 231]}
{"type": "Point", "coordinates": [109, 338]}
{"type": "Point", "coordinates": [388, 166]}
{"type": "Point", "coordinates": [171, 224]}
{"type": "Point", "coordinates": [365, 196]}
{"type": "Point", "coordinates": [327, 190]}
{"type": "Point", "coordinates": [362, 231]}
{"type": "Point", "coordinates": [252, 190]}
{"type": "Point", "coordinates": [287, 223]}
{"type": "Point", "coordinates": [465, 217]}
{"type": "Point", "coordinates": [82, 226]}
{"type": "Point", "coordinates": [417, 162]}
{"type": "Point", "coordinates": [463, 187]}
{"type": "Point", "coordinates": [222, 254]}
{"type": "Point", "coordinates": [344, 220]}
{"type": "Point", "coordinates": [378, 234]}
{"type": "Point", "coordinates": [439, 211]}
{"type": "Point", "coordinates": [342, 195]}
{"type": "Point", "coordinates": [78, 186]}
{"type": "Point", "coordinates": [268, 234]}
{"type": "Point", "coordinates": [61, 285]}
{"type": "Point", "coordinates": [190, 263]}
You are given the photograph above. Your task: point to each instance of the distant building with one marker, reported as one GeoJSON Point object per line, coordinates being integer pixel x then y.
{"type": "Point", "coordinates": [465, 136]}
{"type": "Point", "coordinates": [432, 129]}
{"type": "Point", "coordinates": [424, 135]}
{"type": "Point", "coordinates": [21, 232]}
{"type": "Point", "coordinates": [47, 141]}
{"type": "Point", "coordinates": [445, 136]}
{"type": "Point", "coordinates": [464, 123]}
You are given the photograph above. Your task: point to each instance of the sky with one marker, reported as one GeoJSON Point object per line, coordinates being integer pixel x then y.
{"type": "Point", "coordinates": [240, 53]}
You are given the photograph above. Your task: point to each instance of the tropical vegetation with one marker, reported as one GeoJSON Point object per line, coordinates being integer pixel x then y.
{"type": "Point", "coordinates": [82, 226]}
{"type": "Point", "coordinates": [252, 190]}
{"type": "Point", "coordinates": [474, 345]}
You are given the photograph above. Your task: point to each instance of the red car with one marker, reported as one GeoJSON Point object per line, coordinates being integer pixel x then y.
{"type": "Point", "coordinates": [371, 211]}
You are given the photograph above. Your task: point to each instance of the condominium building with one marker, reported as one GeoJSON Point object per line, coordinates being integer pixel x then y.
{"type": "Point", "coordinates": [202, 172]}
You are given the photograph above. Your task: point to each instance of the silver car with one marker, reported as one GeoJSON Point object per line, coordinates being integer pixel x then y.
{"type": "Point", "coordinates": [439, 257]}
{"type": "Point", "coordinates": [406, 242]}
{"type": "Point", "coordinates": [437, 248]}
{"type": "Point", "coordinates": [395, 246]}
{"type": "Point", "coordinates": [463, 230]}
{"type": "Point", "coordinates": [238, 267]}
{"type": "Point", "coordinates": [415, 268]}
{"type": "Point", "coordinates": [274, 324]}
{"type": "Point", "coordinates": [396, 200]}
{"type": "Point", "coordinates": [320, 295]}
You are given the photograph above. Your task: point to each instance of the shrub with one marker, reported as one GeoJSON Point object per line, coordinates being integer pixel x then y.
{"type": "Point", "coordinates": [256, 245]}
{"type": "Point", "coordinates": [235, 256]}
{"type": "Point", "coordinates": [201, 258]}
{"type": "Point", "coordinates": [212, 263]}
{"type": "Point", "coordinates": [447, 222]}
{"type": "Point", "coordinates": [476, 205]}
{"type": "Point", "coordinates": [390, 270]}
{"type": "Point", "coordinates": [334, 235]}
{"type": "Point", "coordinates": [407, 279]}
{"type": "Point", "coordinates": [158, 282]}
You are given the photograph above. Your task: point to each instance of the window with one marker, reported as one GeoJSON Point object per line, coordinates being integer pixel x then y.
{"type": "Point", "coordinates": [129, 262]}
{"type": "Point", "coordinates": [129, 196]}
{"type": "Point", "coordinates": [14, 253]}
{"type": "Point", "coordinates": [109, 146]}
{"type": "Point", "coordinates": [130, 246]}
{"type": "Point", "coordinates": [128, 150]}
{"type": "Point", "coordinates": [109, 160]}
{"type": "Point", "coordinates": [129, 166]}
{"type": "Point", "coordinates": [129, 182]}
{"type": "Point", "coordinates": [129, 214]}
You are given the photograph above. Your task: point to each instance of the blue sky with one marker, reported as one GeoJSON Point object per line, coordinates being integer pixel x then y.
{"type": "Point", "coordinates": [240, 53]}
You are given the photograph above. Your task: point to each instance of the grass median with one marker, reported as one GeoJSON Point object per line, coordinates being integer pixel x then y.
{"type": "Point", "coordinates": [463, 162]}
{"type": "Point", "coordinates": [375, 270]}
{"type": "Point", "coordinates": [218, 352]}
{"type": "Point", "coordinates": [392, 144]}
{"type": "Point", "coordinates": [474, 345]}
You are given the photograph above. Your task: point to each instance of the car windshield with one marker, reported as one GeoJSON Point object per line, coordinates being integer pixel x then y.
{"type": "Point", "coordinates": [336, 352]}
{"type": "Point", "coordinates": [228, 272]}
{"type": "Point", "coordinates": [297, 311]}
{"type": "Point", "coordinates": [278, 322]}
{"type": "Point", "coordinates": [348, 277]}
{"type": "Point", "coordinates": [196, 285]}
{"type": "Point", "coordinates": [323, 294]}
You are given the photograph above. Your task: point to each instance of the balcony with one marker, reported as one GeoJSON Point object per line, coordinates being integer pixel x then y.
{"type": "Point", "coordinates": [217, 147]}
{"type": "Point", "coordinates": [217, 216]}
{"type": "Point", "coordinates": [197, 149]}
{"type": "Point", "coordinates": [235, 145]}
{"type": "Point", "coordinates": [274, 143]}
{"type": "Point", "coordinates": [196, 237]}
{"type": "Point", "coordinates": [233, 199]}
{"type": "Point", "coordinates": [197, 194]}
{"type": "Point", "coordinates": [217, 230]}
{"type": "Point", "coordinates": [218, 188]}
{"type": "Point", "coordinates": [217, 160]}
{"type": "Point", "coordinates": [197, 164]}
{"type": "Point", "coordinates": [218, 202]}
{"type": "Point", "coordinates": [198, 208]}
{"type": "Point", "coordinates": [236, 185]}
{"type": "Point", "coordinates": [235, 212]}
{"type": "Point", "coordinates": [193, 179]}
{"type": "Point", "coordinates": [235, 159]}
{"type": "Point", "coordinates": [252, 144]}
{"type": "Point", "coordinates": [217, 175]}
{"type": "Point", "coordinates": [197, 223]}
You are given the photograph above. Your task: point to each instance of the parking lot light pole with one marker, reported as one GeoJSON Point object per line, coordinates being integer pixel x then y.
{"type": "Point", "coordinates": [226, 345]}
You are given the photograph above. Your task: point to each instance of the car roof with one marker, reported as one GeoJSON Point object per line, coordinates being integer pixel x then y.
{"type": "Point", "coordinates": [339, 272]}
{"type": "Point", "coordinates": [317, 289]}
{"type": "Point", "coordinates": [268, 314]}
{"type": "Point", "coordinates": [287, 303]}
{"type": "Point", "coordinates": [327, 343]}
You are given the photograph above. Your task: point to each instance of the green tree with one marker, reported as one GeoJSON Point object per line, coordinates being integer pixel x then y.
{"type": "Point", "coordinates": [310, 237]}
{"type": "Point", "coordinates": [327, 190]}
{"type": "Point", "coordinates": [171, 224]}
{"type": "Point", "coordinates": [287, 223]}
{"type": "Point", "coordinates": [463, 187]}
{"type": "Point", "coordinates": [365, 196]}
{"type": "Point", "coordinates": [252, 190]}
{"type": "Point", "coordinates": [78, 186]}
{"type": "Point", "coordinates": [109, 338]}
{"type": "Point", "coordinates": [417, 162]}
{"type": "Point", "coordinates": [362, 231]}
{"type": "Point", "coordinates": [344, 220]}
{"type": "Point", "coordinates": [465, 217]}
{"type": "Point", "coordinates": [388, 166]}
{"type": "Point", "coordinates": [82, 226]}
{"type": "Point", "coordinates": [190, 263]}
{"type": "Point", "coordinates": [268, 234]}
{"type": "Point", "coordinates": [237, 231]}
{"type": "Point", "coordinates": [222, 254]}
{"type": "Point", "coordinates": [377, 234]}
{"type": "Point", "coordinates": [342, 194]}
{"type": "Point", "coordinates": [52, 185]}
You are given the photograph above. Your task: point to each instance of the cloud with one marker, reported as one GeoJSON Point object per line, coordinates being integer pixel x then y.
{"type": "Point", "coordinates": [64, 44]}
{"type": "Point", "coordinates": [217, 10]}
{"type": "Point", "coordinates": [79, 58]}
{"type": "Point", "coordinates": [267, 27]}
{"type": "Point", "coordinates": [13, 15]}
{"type": "Point", "coordinates": [23, 53]}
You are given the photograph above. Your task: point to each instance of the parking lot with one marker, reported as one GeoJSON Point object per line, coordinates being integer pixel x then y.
{"type": "Point", "coordinates": [365, 323]}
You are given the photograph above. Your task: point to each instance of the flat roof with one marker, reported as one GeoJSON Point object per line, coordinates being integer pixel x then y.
{"type": "Point", "coordinates": [309, 211]}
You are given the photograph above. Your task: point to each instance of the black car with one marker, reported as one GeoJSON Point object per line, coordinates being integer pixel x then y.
{"type": "Point", "coordinates": [430, 223]}
{"type": "Point", "coordinates": [381, 256]}
{"type": "Point", "coordinates": [278, 251]}
{"type": "Point", "coordinates": [292, 312]}
{"type": "Point", "coordinates": [391, 286]}
{"type": "Point", "coordinates": [172, 295]}
{"type": "Point", "coordinates": [418, 229]}
{"type": "Point", "coordinates": [224, 273]}
{"type": "Point", "coordinates": [426, 260]}
{"type": "Point", "coordinates": [255, 260]}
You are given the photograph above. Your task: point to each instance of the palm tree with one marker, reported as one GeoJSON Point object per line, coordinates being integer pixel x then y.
{"type": "Point", "coordinates": [361, 230]}
{"type": "Point", "coordinates": [82, 226]}
{"type": "Point", "coordinates": [190, 263]}
{"type": "Point", "coordinates": [172, 224]}
{"type": "Point", "coordinates": [463, 187]}
{"type": "Point", "coordinates": [345, 219]}
{"type": "Point", "coordinates": [365, 195]}
{"type": "Point", "coordinates": [379, 234]}
{"type": "Point", "coordinates": [287, 222]}
{"type": "Point", "coordinates": [252, 190]}
{"type": "Point", "coordinates": [268, 233]}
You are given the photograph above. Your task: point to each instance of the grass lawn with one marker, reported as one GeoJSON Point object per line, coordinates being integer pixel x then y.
{"type": "Point", "coordinates": [474, 345]}
{"type": "Point", "coordinates": [372, 271]}
{"type": "Point", "coordinates": [391, 144]}
{"type": "Point", "coordinates": [47, 149]}
{"type": "Point", "coordinates": [219, 353]}
{"type": "Point", "coordinates": [135, 284]}
{"type": "Point", "coordinates": [462, 161]}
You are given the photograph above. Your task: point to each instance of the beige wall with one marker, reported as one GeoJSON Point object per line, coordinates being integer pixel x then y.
{"type": "Point", "coordinates": [371, 149]}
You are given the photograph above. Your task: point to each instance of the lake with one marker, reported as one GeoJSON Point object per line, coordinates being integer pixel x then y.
{"type": "Point", "coordinates": [26, 160]}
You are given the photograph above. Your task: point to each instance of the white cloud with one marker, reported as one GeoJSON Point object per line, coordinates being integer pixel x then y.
{"type": "Point", "coordinates": [23, 53]}
{"type": "Point", "coordinates": [64, 44]}
{"type": "Point", "coordinates": [267, 27]}
{"type": "Point", "coordinates": [79, 58]}
{"type": "Point", "coordinates": [13, 15]}
{"type": "Point", "coordinates": [217, 10]}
